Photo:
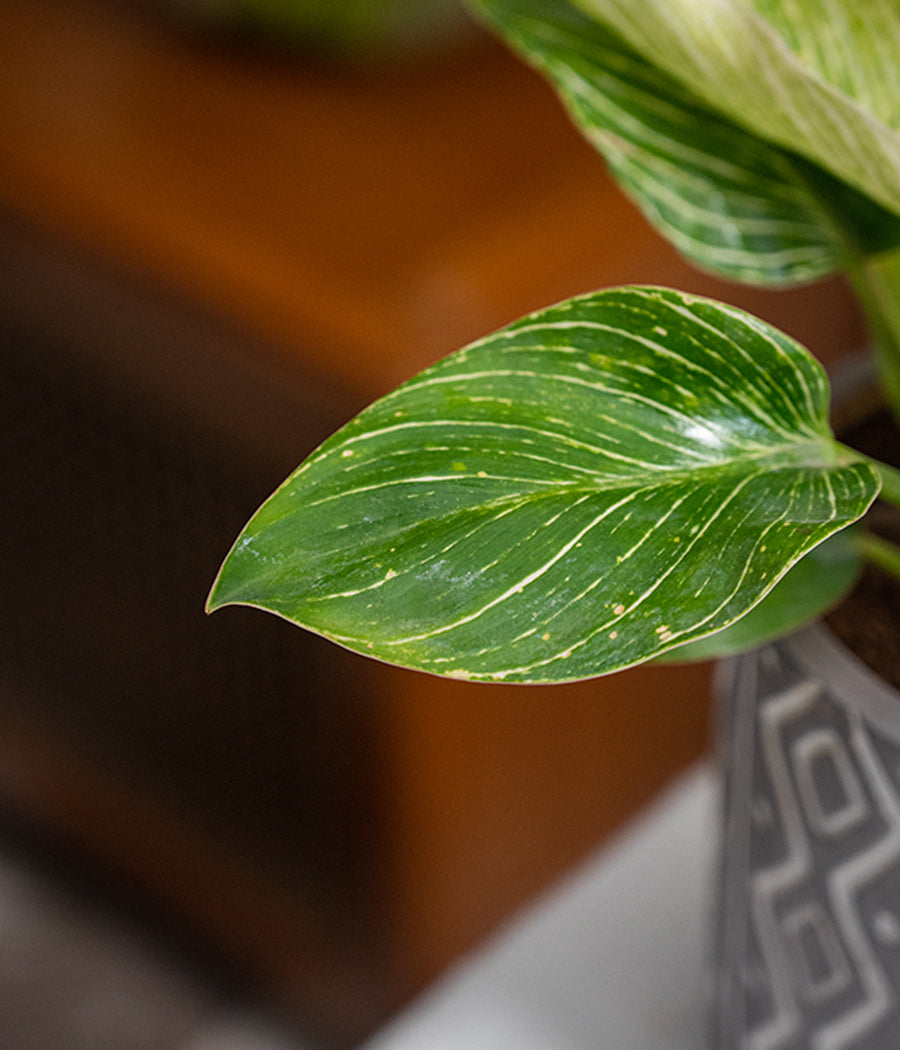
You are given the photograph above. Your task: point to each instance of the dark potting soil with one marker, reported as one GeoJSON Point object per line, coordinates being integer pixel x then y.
{"type": "Point", "coordinates": [868, 621]}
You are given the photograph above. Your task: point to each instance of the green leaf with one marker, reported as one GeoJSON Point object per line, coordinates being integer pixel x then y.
{"type": "Point", "coordinates": [732, 202]}
{"type": "Point", "coordinates": [851, 44]}
{"type": "Point", "coordinates": [579, 492]}
{"type": "Point", "coordinates": [814, 585]}
{"type": "Point", "coordinates": [815, 79]}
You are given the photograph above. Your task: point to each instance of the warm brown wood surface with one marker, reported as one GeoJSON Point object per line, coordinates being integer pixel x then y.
{"type": "Point", "coordinates": [360, 223]}
{"type": "Point", "coordinates": [373, 219]}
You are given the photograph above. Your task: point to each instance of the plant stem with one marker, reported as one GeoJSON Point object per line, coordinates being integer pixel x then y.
{"type": "Point", "coordinates": [890, 482]}
{"type": "Point", "coordinates": [876, 280]}
{"type": "Point", "coordinates": [881, 552]}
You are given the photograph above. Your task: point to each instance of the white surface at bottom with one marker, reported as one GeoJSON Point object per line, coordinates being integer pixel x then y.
{"type": "Point", "coordinates": [614, 958]}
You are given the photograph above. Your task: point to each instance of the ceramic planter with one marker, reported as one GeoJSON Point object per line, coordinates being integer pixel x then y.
{"type": "Point", "coordinates": [809, 925]}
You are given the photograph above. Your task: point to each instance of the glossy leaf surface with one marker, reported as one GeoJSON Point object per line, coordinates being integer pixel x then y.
{"type": "Point", "coordinates": [732, 201]}
{"type": "Point", "coordinates": [582, 491]}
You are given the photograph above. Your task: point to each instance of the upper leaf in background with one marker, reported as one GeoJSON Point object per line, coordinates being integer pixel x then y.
{"type": "Point", "coordinates": [733, 203]}
{"type": "Point", "coordinates": [852, 44]}
{"type": "Point", "coordinates": [584, 490]}
{"type": "Point", "coordinates": [730, 54]}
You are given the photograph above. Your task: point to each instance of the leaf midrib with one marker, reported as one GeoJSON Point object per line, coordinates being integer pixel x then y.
{"type": "Point", "coordinates": [743, 468]}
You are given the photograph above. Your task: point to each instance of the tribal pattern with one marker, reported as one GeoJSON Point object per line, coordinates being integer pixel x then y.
{"type": "Point", "coordinates": [811, 955]}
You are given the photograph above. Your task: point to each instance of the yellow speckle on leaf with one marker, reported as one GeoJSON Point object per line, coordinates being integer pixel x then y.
{"type": "Point", "coordinates": [545, 636]}
{"type": "Point", "coordinates": [613, 635]}
{"type": "Point", "coordinates": [347, 453]}
{"type": "Point", "coordinates": [457, 466]}
{"type": "Point", "coordinates": [390, 574]}
{"type": "Point", "coordinates": [619, 609]}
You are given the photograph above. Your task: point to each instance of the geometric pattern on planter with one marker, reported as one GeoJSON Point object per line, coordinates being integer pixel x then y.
{"type": "Point", "coordinates": [809, 933]}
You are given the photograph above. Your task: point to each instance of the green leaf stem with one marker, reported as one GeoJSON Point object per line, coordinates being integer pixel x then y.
{"type": "Point", "coordinates": [586, 489]}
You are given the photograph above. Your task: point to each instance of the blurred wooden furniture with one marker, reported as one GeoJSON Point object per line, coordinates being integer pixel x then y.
{"type": "Point", "coordinates": [260, 245]}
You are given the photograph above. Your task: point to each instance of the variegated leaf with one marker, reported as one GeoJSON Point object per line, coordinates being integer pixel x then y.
{"type": "Point", "coordinates": [851, 44]}
{"type": "Point", "coordinates": [586, 489]}
{"type": "Point", "coordinates": [733, 203]}
{"type": "Point", "coordinates": [729, 54]}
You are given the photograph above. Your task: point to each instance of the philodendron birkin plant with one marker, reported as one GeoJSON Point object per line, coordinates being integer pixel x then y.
{"type": "Point", "coordinates": [635, 472]}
